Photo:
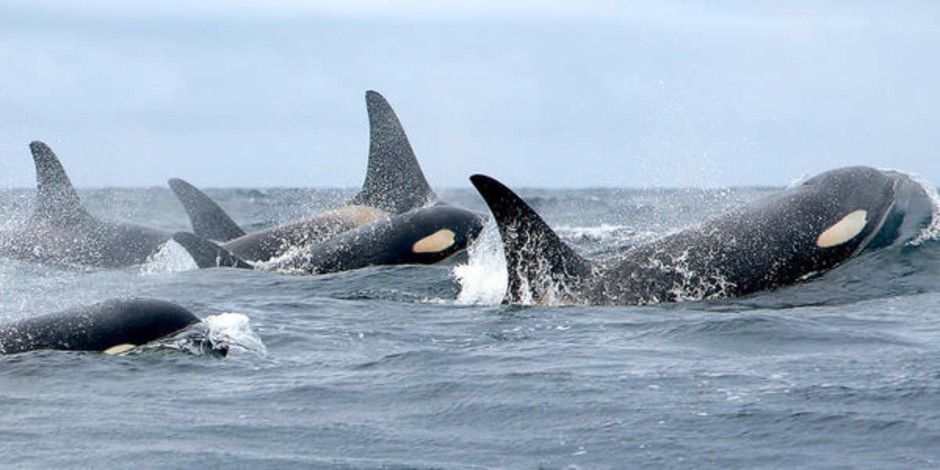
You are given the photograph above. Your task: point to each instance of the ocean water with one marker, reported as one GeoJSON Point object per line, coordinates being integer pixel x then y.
{"type": "Point", "coordinates": [422, 367]}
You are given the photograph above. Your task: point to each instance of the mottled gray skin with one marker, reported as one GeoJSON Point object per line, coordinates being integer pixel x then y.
{"type": "Point", "coordinates": [90, 242]}
{"type": "Point", "coordinates": [97, 327]}
{"type": "Point", "coordinates": [768, 243]}
{"type": "Point", "coordinates": [61, 232]}
{"type": "Point", "coordinates": [211, 222]}
{"type": "Point", "coordinates": [394, 184]}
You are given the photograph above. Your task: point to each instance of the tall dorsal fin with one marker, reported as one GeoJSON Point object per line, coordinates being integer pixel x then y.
{"type": "Point", "coordinates": [56, 199]}
{"type": "Point", "coordinates": [207, 218]}
{"type": "Point", "coordinates": [541, 266]}
{"type": "Point", "coordinates": [394, 180]}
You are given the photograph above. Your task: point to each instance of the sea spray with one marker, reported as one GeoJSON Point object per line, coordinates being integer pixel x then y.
{"type": "Point", "coordinates": [170, 258]}
{"type": "Point", "coordinates": [483, 278]}
{"type": "Point", "coordinates": [932, 231]}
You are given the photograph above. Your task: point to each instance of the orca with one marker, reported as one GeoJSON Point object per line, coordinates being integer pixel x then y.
{"type": "Point", "coordinates": [785, 238]}
{"type": "Point", "coordinates": [394, 184]}
{"type": "Point", "coordinates": [424, 235]}
{"type": "Point", "coordinates": [112, 326]}
{"type": "Point", "coordinates": [61, 232]}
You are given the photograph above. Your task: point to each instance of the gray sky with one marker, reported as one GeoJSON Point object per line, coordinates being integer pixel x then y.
{"type": "Point", "coordinates": [537, 93]}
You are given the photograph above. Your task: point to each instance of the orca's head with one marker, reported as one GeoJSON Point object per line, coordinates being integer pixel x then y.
{"type": "Point", "coordinates": [844, 208]}
{"type": "Point", "coordinates": [913, 211]}
{"type": "Point", "coordinates": [436, 232]}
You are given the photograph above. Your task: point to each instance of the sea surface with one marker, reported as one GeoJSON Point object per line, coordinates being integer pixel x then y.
{"type": "Point", "coordinates": [423, 367]}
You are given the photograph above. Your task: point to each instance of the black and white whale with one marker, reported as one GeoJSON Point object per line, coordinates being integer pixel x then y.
{"type": "Point", "coordinates": [425, 235]}
{"type": "Point", "coordinates": [785, 238]}
{"type": "Point", "coordinates": [394, 219]}
{"type": "Point", "coordinates": [394, 184]}
{"type": "Point", "coordinates": [61, 232]}
{"type": "Point", "coordinates": [113, 326]}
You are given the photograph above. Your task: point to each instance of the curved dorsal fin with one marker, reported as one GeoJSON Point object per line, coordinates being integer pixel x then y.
{"type": "Point", "coordinates": [207, 218]}
{"type": "Point", "coordinates": [540, 264]}
{"type": "Point", "coordinates": [394, 180]}
{"type": "Point", "coordinates": [56, 199]}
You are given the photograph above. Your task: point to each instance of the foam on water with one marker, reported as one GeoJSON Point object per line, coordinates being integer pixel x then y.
{"type": "Point", "coordinates": [234, 331]}
{"type": "Point", "coordinates": [222, 335]}
{"type": "Point", "coordinates": [483, 278]}
{"type": "Point", "coordinates": [170, 258]}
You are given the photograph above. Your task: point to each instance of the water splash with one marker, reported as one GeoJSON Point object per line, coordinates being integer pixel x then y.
{"type": "Point", "coordinates": [170, 258]}
{"type": "Point", "coordinates": [600, 232]}
{"type": "Point", "coordinates": [932, 231]}
{"type": "Point", "coordinates": [799, 180]}
{"type": "Point", "coordinates": [293, 260]}
{"type": "Point", "coordinates": [222, 335]}
{"type": "Point", "coordinates": [232, 330]}
{"type": "Point", "coordinates": [688, 285]}
{"type": "Point", "coordinates": [483, 278]}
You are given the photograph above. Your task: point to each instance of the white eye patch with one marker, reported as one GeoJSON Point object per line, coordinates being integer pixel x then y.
{"type": "Point", "coordinates": [435, 242]}
{"type": "Point", "coordinates": [843, 230]}
{"type": "Point", "coordinates": [119, 348]}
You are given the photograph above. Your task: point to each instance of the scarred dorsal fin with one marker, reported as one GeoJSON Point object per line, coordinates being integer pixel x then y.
{"type": "Point", "coordinates": [394, 180]}
{"type": "Point", "coordinates": [207, 218]}
{"type": "Point", "coordinates": [56, 199]}
{"type": "Point", "coordinates": [541, 266]}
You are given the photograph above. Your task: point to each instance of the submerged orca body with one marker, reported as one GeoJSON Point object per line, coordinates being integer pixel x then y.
{"type": "Point", "coordinates": [425, 235]}
{"type": "Point", "coordinates": [109, 326]}
{"type": "Point", "coordinates": [394, 184]}
{"type": "Point", "coordinates": [779, 240]}
{"type": "Point", "coordinates": [62, 232]}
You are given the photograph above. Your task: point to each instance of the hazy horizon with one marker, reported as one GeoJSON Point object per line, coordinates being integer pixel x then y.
{"type": "Point", "coordinates": [558, 94]}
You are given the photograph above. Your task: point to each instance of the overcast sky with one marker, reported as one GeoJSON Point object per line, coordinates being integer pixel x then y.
{"type": "Point", "coordinates": [582, 93]}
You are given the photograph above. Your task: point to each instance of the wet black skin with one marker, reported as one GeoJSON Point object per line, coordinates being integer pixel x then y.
{"type": "Point", "coordinates": [96, 327]}
{"type": "Point", "coordinates": [768, 243]}
{"type": "Point", "coordinates": [388, 240]}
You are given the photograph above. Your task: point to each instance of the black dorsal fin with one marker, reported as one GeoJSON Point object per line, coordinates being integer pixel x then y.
{"type": "Point", "coordinates": [56, 199]}
{"type": "Point", "coordinates": [394, 180]}
{"type": "Point", "coordinates": [207, 218]}
{"type": "Point", "coordinates": [207, 254]}
{"type": "Point", "coordinates": [541, 266]}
